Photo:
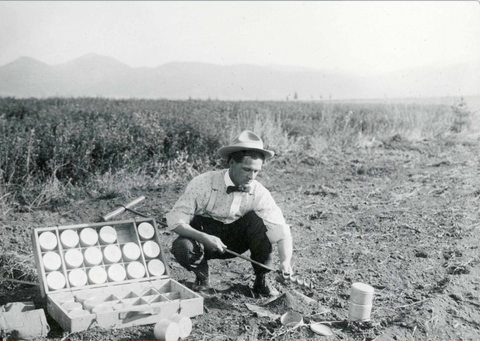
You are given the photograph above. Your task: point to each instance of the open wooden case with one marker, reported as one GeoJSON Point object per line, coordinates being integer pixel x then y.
{"type": "Point", "coordinates": [83, 293]}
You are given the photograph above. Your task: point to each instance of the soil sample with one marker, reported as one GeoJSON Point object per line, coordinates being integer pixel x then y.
{"type": "Point", "coordinates": [287, 302]}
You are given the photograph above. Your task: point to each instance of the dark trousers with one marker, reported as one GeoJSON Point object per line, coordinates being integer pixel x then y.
{"type": "Point", "coordinates": [246, 233]}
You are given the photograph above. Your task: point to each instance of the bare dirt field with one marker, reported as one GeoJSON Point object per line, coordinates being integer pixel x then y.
{"type": "Point", "coordinates": [402, 216]}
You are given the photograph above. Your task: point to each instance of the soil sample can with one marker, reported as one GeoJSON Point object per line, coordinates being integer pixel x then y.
{"type": "Point", "coordinates": [88, 237]}
{"type": "Point", "coordinates": [48, 241]}
{"type": "Point", "coordinates": [131, 251]}
{"type": "Point", "coordinates": [108, 235]}
{"type": "Point", "coordinates": [184, 324]}
{"type": "Point", "coordinates": [135, 270]}
{"type": "Point", "coordinates": [151, 249]}
{"type": "Point", "coordinates": [73, 258]}
{"type": "Point", "coordinates": [69, 239]}
{"type": "Point", "coordinates": [56, 280]}
{"type": "Point", "coordinates": [52, 261]}
{"type": "Point", "coordinates": [112, 254]}
{"type": "Point", "coordinates": [146, 231]}
{"type": "Point", "coordinates": [93, 256]}
{"type": "Point", "coordinates": [166, 330]}
{"type": "Point", "coordinates": [117, 273]}
{"type": "Point", "coordinates": [97, 275]}
{"type": "Point", "coordinates": [360, 305]}
{"type": "Point", "coordinates": [77, 278]}
{"type": "Point", "coordinates": [156, 267]}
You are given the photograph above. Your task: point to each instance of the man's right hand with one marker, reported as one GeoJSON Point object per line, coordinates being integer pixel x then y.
{"type": "Point", "coordinates": [213, 243]}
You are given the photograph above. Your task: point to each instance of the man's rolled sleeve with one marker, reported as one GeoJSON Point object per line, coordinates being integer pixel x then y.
{"type": "Point", "coordinates": [277, 228]}
{"type": "Point", "coordinates": [178, 215]}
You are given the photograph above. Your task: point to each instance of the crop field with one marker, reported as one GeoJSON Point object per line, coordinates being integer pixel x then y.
{"type": "Point", "coordinates": [386, 194]}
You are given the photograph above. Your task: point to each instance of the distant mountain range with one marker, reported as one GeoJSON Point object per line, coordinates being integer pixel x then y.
{"type": "Point", "coordinates": [94, 75]}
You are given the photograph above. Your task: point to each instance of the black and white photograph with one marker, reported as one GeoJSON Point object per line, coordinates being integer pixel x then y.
{"type": "Point", "coordinates": [240, 170]}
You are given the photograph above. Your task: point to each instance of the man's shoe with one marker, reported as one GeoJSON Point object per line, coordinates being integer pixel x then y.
{"type": "Point", "coordinates": [263, 288]}
{"type": "Point", "coordinates": [202, 279]}
{"type": "Point", "coordinates": [201, 285]}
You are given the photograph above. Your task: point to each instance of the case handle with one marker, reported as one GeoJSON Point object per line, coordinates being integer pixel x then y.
{"type": "Point", "coordinates": [122, 209]}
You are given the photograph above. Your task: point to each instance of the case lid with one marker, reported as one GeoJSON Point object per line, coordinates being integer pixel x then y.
{"type": "Point", "coordinates": [128, 259]}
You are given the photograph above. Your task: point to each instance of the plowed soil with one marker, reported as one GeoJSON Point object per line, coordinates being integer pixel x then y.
{"type": "Point", "coordinates": [401, 216]}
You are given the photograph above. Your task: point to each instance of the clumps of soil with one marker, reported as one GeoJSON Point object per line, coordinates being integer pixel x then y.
{"type": "Point", "coordinates": [287, 302]}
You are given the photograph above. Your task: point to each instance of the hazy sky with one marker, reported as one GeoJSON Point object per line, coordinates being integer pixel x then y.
{"type": "Point", "coordinates": [364, 37]}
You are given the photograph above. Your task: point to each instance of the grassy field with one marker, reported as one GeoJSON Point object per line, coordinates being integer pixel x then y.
{"type": "Point", "coordinates": [380, 193]}
{"type": "Point", "coordinates": [56, 148]}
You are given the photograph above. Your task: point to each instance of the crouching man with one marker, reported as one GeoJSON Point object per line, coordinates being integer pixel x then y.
{"type": "Point", "coordinates": [229, 209]}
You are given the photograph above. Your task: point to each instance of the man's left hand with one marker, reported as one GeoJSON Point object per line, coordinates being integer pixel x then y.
{"type": "Point", "coordinates": [286, 268]}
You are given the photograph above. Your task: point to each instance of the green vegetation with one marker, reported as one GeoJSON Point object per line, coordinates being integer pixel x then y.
{"type": "Point", "coordinates": [53, 148]}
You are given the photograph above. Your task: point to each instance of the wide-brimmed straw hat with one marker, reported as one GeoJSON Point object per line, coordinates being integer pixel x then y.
{"type": "Point", "coordinates": [247, 140]}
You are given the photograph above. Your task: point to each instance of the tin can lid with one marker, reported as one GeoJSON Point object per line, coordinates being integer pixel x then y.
{"type": "Point", "coordinates": [156, 267]}
{"type": "Point", "coordinates": [93, 302]}
{"type": "Point", "coordinates": [61, 299]}
{"type": "Point", "coordinates": [71, 306]}
{"type": "Point", "coordinates": [146, 230]}
{"type": "Point", "coordinates": [48, 241]}
{"type": "Point", "coordinates": [166, 330]}
{"type": "Point", "coordinates": [151, 249]}
{"type": "Point", "coordinates": [52, 261]}
{"type": "Point", "coordinates": [116, 273]}
{"type": "Point", "coordinates": [73, 258]}
{"type": "Point", "coordinates": [361, 293]}
{"type": "Point", "coordinates": [97, 275]}
{"type": "Point", "coordinates": [131, 251]}
{"type": "Point", "coordinates": [93, 255]}
{"type": "Point", "coordinates": [108, 235]}
{"type": "Point", "coordinates": [89, 236]}
{"type": "Point", "coordinates": [135, 270]}
{"type": "Point", "coordinates": [102, 309]}
{"type": "Point", "coordinates": [56, 280]}
{"type": "Point", "coordinates": [83, 296]}
{"type": "Point", "coordinates": [184, 324]}
{"type": "Point", "coordinates": [69, 238]}
{"type": "Point", "coordinates": [78, 313]}
{"type": "Point", "coordinates": [362, 287]}
{"type": "Point", "coordinates": [77, 278]}
{"type": "Point", "coordinates": [112, 253]}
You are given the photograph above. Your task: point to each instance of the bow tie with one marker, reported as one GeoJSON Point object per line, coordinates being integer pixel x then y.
{"type": "Point", "coordinates": [231, 189]}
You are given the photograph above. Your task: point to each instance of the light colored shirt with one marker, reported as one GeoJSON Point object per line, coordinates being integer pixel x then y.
{"type": "Point", "coordinates": [228, 207]}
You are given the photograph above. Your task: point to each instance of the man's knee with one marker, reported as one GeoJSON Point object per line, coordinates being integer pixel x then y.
{"type": "Point", "coordinates": [188, 252]}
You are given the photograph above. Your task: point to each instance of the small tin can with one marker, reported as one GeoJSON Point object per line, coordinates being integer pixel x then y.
{"type": "Point", "coordinates": [69, 239]}
{"type": "Point", "coordinates": [360, 305]}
